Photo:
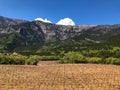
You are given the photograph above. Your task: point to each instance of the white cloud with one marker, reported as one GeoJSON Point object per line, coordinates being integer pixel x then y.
{"type": "Point", "coordinates": [43, 20]}
{"type": "Point", "coordinates": [66, 21]}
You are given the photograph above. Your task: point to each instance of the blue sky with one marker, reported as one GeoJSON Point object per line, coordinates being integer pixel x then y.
{"type": "Point", "coordinates": [80, 11]}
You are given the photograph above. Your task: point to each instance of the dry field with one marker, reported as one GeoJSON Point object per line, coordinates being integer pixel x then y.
{"type": "Point", "coordinates": [60, 77]}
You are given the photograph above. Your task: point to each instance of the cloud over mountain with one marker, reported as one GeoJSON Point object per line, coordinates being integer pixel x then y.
{"type": "Point", "coordinates": [66, 21]}
{"type": "Point", "coordinates": [43, 20]}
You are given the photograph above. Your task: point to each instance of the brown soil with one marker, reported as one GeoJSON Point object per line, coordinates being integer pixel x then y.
{"type": "Point", "coordinates": [60, 77]}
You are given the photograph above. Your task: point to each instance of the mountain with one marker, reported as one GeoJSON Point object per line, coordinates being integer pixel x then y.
{"type": "Point", "coordinates": [8, 21]}
{"type": "Point", "coordinates": [21, 35]}
{"type": "Point", "coordinates": [17, 34]}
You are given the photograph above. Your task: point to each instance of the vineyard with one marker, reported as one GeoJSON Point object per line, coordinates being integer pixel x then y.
{"type": "Point", "coordinates": [60, 77]}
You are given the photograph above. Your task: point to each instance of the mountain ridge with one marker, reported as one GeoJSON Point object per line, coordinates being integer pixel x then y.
{"type": "Point", "coordinates": [31, 35]}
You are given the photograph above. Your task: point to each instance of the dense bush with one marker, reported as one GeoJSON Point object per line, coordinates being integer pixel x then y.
{"type": "Point", "coordinates": [50, 58]}
{"type": "Point", "coordinates": [76, 57]}
{"type": "Point", "coordinates": [19, 59]}
{"type": "Point", "coordinates": [5, 59]}
{"type": "Point", "coordinates": [73, 57]}
{"type": "Point", "coordinates": [95, 60]}
{"type": "Point", "coordinates": [33, 60]}
{"type": "Point", "coordinates": [112, 60]}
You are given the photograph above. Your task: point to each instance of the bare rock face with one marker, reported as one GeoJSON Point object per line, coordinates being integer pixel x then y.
{"type": "Point", "coordinates": [60, 32]}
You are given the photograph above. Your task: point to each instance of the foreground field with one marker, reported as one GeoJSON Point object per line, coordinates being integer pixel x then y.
{"type": "Point", "coordinates": [60, 77]}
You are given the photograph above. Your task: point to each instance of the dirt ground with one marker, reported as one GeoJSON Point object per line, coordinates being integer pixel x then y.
{"type": "Point", "coordinates": [60, 77]}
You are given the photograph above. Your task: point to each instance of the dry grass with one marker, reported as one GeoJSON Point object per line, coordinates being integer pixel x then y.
{"type": "Point", "coordinates": [60, 77]}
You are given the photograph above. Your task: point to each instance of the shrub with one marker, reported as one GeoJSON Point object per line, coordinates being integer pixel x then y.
{"type": "Point", "coordinates": [63, 61]}
{"type": "Point", "coordinates": [50, 58]}
{"type": "Point", "coordinates": [5, 59]}
{"type": "Point", "coordinates": [73, 57]}
{"type": "Point", "coordinates": [112, 60]}
{"type": "Point", "coordinates": [19, 60]}
{"type": "Point", "coordinates": [95, 60]}
{"type": "Point", "coordinates": [33, 60]}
